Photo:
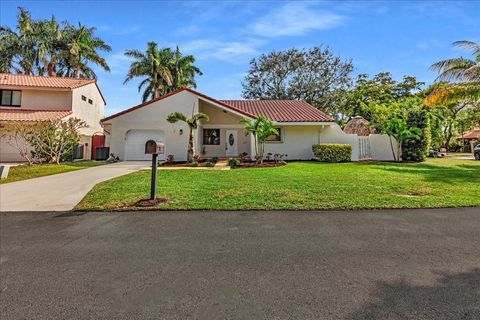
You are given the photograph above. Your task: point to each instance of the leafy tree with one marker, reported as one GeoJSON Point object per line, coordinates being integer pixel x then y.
{"type": "Point", "coordinates": [415, 147]}
{"type": "Point", "coordinates": [371, 96]}
{"type": "Point", "coordinates": [16, 135]}
{"type": "Point", "coordinates": [162, 70]}
{"type": "Point", "coordinates": [192, 123]}
{"type": "Point", "coordinates": [399, 129]}
{"type": "Point", "coordinates": [316, 76]}
{"type": "Point", "coordinates": [53, 141]}
{"type": "Point", "coordinates": [260, 128]}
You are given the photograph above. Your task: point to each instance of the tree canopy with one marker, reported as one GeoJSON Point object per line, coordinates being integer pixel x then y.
{"type": "Point", "coordinates": [315, 75]}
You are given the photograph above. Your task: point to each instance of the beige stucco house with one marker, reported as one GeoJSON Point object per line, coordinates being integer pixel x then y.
{"type": "Point", "coordinates": [37, 98]}
{"type": "Point", "coordinates": [300, 126]}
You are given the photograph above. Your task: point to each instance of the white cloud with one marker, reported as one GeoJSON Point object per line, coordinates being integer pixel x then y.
{"type": "Point", "coordinates": [119, 63]}
{"type": "Point", "coordinates": [294, 19]}
{"type": "Point", "coordinates": [234, 51]}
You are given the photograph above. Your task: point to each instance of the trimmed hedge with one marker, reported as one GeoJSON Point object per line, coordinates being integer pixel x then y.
{"type": "Point", "coordinates": [332, 152]}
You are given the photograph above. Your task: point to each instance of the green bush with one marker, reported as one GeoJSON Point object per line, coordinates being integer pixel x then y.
{"type": "Point", "coordinates": [194, 164]}
{"type": "Point", "coordinates": [415, 147]}
{"type": "Point", "coordinates": [209, 164]}
{"type": "Point", "coordinates": [214, 159]}
{"type": "Point", "coordinates": [233, 162]}
{"type": "Point", "coordinates": [332, 152]}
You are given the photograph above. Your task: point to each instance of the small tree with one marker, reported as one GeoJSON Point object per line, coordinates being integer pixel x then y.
{"type": "Point", "coordinates": [260, 128]}
{"type": "Point", "coordinates": [398, 129]}
{"type": "Point", "coordinates": [53, 141]}
{"type": "Point", "coordinates": [192, 123]}
{"type": "Point", "coordinates": [16, 134]}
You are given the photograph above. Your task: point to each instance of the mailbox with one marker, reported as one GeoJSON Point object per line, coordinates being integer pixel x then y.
{"type": "Point", "coordinates": [154, 147]}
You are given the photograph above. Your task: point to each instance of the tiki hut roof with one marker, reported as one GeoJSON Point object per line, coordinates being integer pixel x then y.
{"type": "Point", "coordinates": [470, 135]}
{"type": "Point", "coordinates": [358, 125]}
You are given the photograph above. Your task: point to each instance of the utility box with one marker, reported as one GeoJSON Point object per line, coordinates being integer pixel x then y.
{"type": "Point", "coordinates": [154, 147]}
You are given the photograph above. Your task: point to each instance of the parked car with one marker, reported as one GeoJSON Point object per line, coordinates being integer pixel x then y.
{"type": "Point", "coordinates": [476, 152]}
{"type": "Point", "coordinates": [435, 154]}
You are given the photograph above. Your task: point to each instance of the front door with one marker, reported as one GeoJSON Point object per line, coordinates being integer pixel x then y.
{"type": "Point", "coordinates": [231, 142]}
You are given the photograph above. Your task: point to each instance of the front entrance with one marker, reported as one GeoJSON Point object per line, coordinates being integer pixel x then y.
{"type": "Point", "coordinates": [231, 143]}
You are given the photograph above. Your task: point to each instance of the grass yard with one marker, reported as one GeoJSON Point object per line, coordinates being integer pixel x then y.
{"type": "Point", "coordinates": [23, 172]}
{"type": "Point", "coordinates": [301, 185]}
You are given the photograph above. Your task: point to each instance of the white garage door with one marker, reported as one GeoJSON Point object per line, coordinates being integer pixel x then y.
{"type": "Point", "coordinates": [135, 144]}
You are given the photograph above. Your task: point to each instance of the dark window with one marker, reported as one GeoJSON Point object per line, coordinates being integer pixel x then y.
{"type": "Point", "coordinates": [84, 98]}
{"type": "Point", "coordinates": [10, 98]}
{"type": "Point", "coordinates": [211, 136]}
{"type": "Point", "coordinates": [90, 101]}
{"type": "Point", "coordinates": [275, 137]}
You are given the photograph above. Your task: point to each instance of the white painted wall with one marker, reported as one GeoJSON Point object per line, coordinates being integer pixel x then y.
{"type": "Point", "coordinates": [154, 117]}
{"type": "Point", "coordinates": [43, 99]}
{"type": "Point", "coordinates": [296, 142]}
{"type": "Point", "coordinates": [90, 113]}
{"type": "Point", "coordinates": [335, 134]}
{"type": "Point", "coordinates": [380, 147]}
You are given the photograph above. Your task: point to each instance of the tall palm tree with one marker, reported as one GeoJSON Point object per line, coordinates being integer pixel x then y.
{"type": "Point", "coordinates": [192, 123]}
{"type": "Point", "coordinates": [18, 47]}
{"type": "Point", "coordinates": [465, 74]}
{"type": "Point", "coordinates": [183, 70]}
{"type": "Point", "coordinates": [162, 70]}
{"type": "Point", "coordinates": [81, 48]}
{"type": "Point", "coordinates": [152, 65]}
{"type": "Point", "coordinates": [49, 43]}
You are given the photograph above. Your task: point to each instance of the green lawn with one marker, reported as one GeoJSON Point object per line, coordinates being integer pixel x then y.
{"type": "Point", "coordinates": [301, 185]}
{"type": "Point", "coordinates": [23, 172]}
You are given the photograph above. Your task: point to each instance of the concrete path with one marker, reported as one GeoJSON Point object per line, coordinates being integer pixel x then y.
{"type": "Point", "coordinates": [60, 192]}
{"type": "Point", "coordinates": [373, 264]}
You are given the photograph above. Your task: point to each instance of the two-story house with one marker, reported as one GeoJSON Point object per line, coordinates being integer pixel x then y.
{"type": "Point", "coordinates": [37, 98]}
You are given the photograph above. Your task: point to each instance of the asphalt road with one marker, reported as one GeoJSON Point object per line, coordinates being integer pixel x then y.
{"type": "Point", "coordinates": [390, 264]}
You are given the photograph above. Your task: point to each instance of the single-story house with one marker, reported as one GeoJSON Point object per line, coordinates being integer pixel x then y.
{"type": "Point", "coordinates": [300, 126]}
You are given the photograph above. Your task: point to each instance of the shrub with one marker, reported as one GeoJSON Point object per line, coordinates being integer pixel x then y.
{"type": "Point", "coordinates": [416, 146]}
{"type": "Point", "coordinates": [233, 162]}
{"type": "Point", "coordinates": [214, 159]}
{"type": "Point", "coordinates": [209, 164]}
{"type": "Point", "coordinates": [194, 164]}
{"type": "Point", "coordinates": [170, 158]}
{"type": "Point", "coordinates": [332, 152]}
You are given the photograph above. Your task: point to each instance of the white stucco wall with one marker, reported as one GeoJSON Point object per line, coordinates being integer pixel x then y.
{"type": "Point", "coordinates": [296, 142]}
{"type": "Point", "coordinates": [154, 117]}
{"type": "Point", "coordinates": [90, 113]}
{"type": "Point", "coordinates": [380, 147]}
{"type": "Point", "coordinates": [335, 134]}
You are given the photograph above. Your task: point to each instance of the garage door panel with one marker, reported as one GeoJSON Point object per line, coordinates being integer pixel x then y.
{"type": "Point", "coordinates": [135, 144]}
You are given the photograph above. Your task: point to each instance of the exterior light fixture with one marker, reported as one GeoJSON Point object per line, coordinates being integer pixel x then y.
{"type": "Point", "coordinates": [180, 131]}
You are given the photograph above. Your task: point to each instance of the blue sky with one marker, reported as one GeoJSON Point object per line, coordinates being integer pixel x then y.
{"type": "Point", "coordinates": [403, 37]}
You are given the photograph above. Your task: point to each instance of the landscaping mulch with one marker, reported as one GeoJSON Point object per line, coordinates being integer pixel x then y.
{"type": "Point", "coordinates": [151, 202]}
{"type": "Point", "coordinates": [259, 165]}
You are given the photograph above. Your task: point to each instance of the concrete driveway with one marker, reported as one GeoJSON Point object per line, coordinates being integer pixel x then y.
{"type": "Point", "coordinates": [383, 264]}
{"type": "Point", "coordinates": [60, 192]}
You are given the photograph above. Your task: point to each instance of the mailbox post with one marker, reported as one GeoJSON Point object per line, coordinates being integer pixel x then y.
{"type": "Point", "coordinates": [154, 148]}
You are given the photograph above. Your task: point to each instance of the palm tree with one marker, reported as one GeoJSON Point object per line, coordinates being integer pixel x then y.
{"type": "Point", "coordinates": [81, 48]}
{"type": "Point", "coordinates": [49, 43]}
{"type": "Point", "coordinates": [460, 69]}
{"type": "Point", "coordinates": [18, 47]}
{"type": "Point", "coordinates": [153, 66]}
{"type": "Point", "coordinates": [183, 70]}
{"type": "Point", "coordinates": [464, 72]}
{"type": "Point", "coordinates": [260, 128]}
{"type": "Point", "coordinates": [192, 123]}
{"type": "Point", "coordinates": [162, 70]}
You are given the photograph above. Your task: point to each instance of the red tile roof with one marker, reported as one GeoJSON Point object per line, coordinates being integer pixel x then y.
{"type": "Point", "coordinates": [470, 135]}
{"type": "Point", "coordinates": [275, 110]}
{"type": "Point", "coordinates": [32, 115]}
{"type": "Point", "coordinates": [281, 110]}
{"type": "Point", "coordinates": [22, 80]}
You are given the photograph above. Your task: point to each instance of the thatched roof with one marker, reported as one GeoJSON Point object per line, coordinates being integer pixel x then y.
{"type": "Point", "coordinates": [358, 125]}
